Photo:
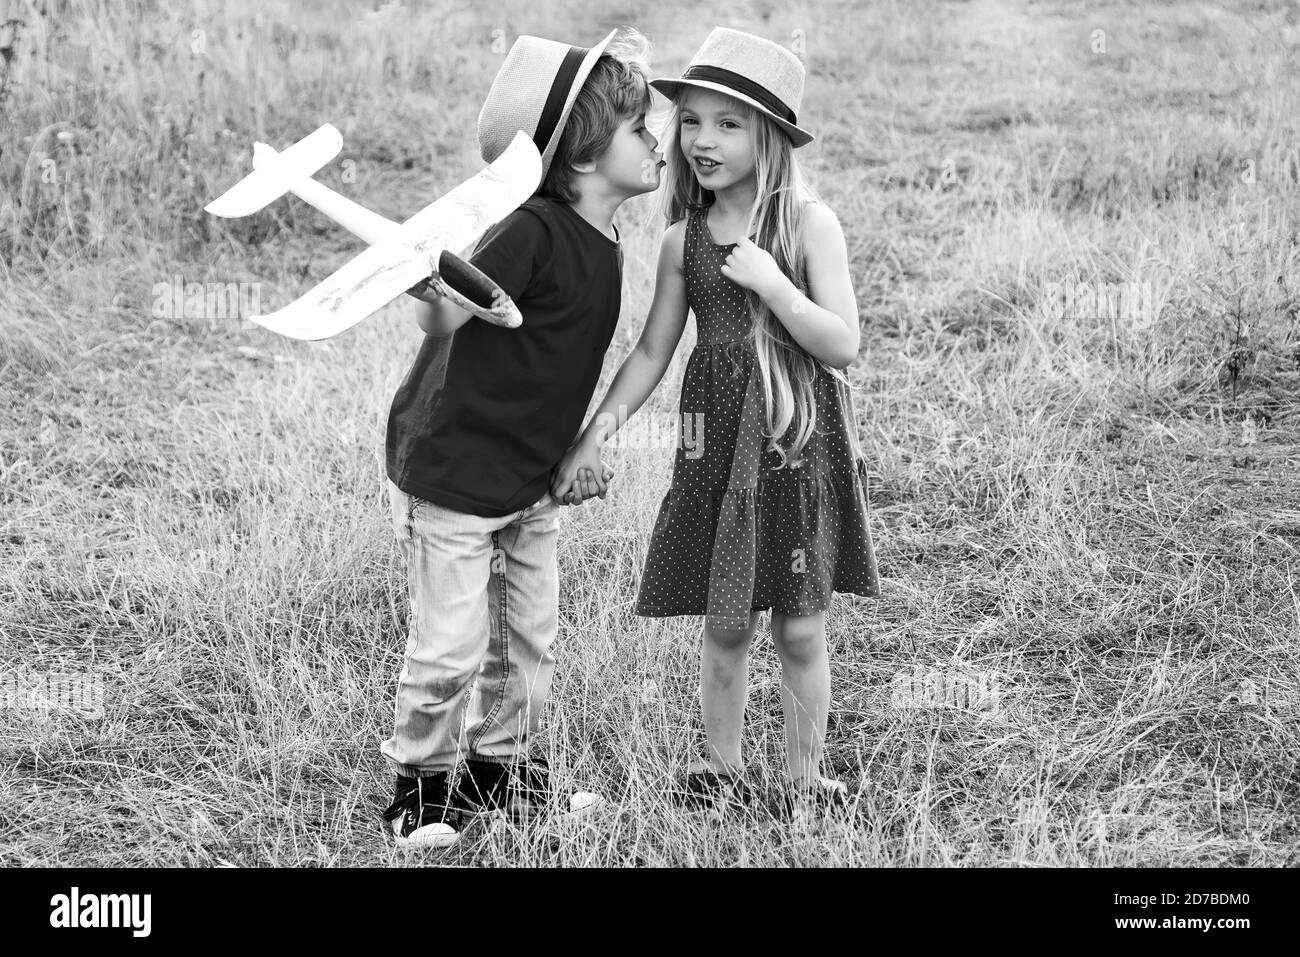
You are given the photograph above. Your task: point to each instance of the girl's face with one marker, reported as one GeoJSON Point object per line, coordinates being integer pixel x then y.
{"type": "Point", "coordinates": [632, 162]}
{"type": "Point", "coordinates": [717, 139]}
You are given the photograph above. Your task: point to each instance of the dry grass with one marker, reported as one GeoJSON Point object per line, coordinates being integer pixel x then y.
{"type": "Point", "coordinates": [1101, 512]}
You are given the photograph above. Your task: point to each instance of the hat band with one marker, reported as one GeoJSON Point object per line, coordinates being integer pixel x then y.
{"type": "Point", "coordinates": [559, 93]}
{"type": "Point", "coordinates": [741, 84]}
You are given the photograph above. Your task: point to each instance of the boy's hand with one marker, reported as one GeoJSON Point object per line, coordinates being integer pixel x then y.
{"type": "Point", "coordinates": [584, 487]}
{"type": "Point", "coordinates": [425, 290]}
{"type": "Point", "coordinates": [575, 478]}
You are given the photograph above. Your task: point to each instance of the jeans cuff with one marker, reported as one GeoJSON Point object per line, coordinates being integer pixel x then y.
{"type": "Point", "coordinates": [414, 771]}
{"type": "Point", "coordinates": [493, 759]}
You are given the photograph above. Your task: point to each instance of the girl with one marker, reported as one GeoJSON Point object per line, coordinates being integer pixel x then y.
{"type": "Point", "coordinates": [773, 513]}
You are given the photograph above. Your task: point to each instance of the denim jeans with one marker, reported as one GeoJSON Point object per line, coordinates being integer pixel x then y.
{"type": "Point", "coordinates": [484, 599]}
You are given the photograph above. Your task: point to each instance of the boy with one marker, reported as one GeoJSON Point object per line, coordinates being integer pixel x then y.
{"type": "Point", "coordinates": [480, 422]}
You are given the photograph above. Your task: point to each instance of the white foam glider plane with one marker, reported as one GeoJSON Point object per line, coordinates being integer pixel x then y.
{"type": "Point", "coordinates": [400, 255]}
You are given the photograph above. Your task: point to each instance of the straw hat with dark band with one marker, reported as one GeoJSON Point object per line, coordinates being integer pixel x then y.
{"type": "Point", "coordinates": [534, 91]}
{"type": "Point", "coordinates": [759, 72]}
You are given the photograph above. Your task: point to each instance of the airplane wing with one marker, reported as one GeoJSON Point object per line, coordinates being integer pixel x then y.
{"type": "Point", "coordinates": [388, 268]}
{"type": "Point", "coordinates": [365, 284]}
{"type": "Point", "coordinates": [265, 185]}
{"type": "Point", "coordinates": [460, 216]}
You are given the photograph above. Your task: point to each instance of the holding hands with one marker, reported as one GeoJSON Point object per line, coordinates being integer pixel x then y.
{"type": "Point", "coordinates": [575, 478]}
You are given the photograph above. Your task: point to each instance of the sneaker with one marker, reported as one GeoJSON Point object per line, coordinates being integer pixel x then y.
{"type": "Point", "coordinates": [715, 792]}
{"type": "Point", "coordinates": [424, 812]}
{"type": "Point", "coordinates": [520, 789]}
{"type": "Point", "coordinates": [825, 799]}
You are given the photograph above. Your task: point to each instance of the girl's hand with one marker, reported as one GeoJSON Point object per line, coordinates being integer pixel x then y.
{"type": "Point", "coordinates": [584, 487]}
{"type": "Point", "coordinates": [752, 267]}
{"type": "Point", "coordinates": [575, 478]}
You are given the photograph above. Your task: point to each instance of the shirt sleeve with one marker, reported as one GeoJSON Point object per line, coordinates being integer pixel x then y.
{"type": "Point", "coordinates": [513, 251]}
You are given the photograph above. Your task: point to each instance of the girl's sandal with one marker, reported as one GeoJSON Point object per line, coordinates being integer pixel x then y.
{"type": "Point", "coordinates": [826, 799]}
{"type": "Point", "coordinates": [714, 792]}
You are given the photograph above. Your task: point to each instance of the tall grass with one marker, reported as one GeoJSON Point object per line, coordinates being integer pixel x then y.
{"type": "Point", "coordinates": [1097, 510]}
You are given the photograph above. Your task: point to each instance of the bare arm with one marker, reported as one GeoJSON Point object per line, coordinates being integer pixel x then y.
{"type": "Point", "coordinates": [644, 367]}
{"type": "Point", "coordinates": [637, 377]}
{"type": "Point", "coordinates": [435, 315]}
{"type": "Point", "coordinates": [825, 322]}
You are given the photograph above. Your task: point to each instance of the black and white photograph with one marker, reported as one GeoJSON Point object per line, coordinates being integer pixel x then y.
{"type": "Point", "coordinates": [585, 434]}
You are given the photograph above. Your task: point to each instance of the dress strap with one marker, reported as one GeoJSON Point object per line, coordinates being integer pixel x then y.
{"type": "Point", "coordinates": [697, 227]}
{"type": "Point", "coordinates": [695, 252]}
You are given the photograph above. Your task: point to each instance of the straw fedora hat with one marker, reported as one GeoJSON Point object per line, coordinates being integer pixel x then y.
{"type": "Point", "coordinates": [534, 91]}
{"type": "Point", "coordinates": [759, 72]}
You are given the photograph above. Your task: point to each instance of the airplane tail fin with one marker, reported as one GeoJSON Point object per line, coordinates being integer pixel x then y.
{"type": "Point", "coordinates": [276, 173]}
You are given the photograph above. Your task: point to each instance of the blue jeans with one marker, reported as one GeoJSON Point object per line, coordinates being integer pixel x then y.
{"type": "Point", "coordinates": [484, 598]}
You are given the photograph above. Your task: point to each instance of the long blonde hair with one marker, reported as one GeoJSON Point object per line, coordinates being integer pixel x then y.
{"type": "Point", "coordinates": [776, 223]}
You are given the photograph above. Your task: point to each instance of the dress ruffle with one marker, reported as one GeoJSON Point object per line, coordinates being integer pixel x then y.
{"type": "Point", "coordinates": [823, 515]}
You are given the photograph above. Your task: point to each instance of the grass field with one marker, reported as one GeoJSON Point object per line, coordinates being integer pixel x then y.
{"type": "Point", "coordinates": [1075, 237]}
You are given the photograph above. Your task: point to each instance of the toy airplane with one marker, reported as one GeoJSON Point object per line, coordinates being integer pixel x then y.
{"type": "Point", "coordinates": [400, 255]}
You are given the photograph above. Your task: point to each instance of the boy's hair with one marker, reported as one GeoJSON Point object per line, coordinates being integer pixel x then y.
{"type": "Point", "coordinates": [615, 90]}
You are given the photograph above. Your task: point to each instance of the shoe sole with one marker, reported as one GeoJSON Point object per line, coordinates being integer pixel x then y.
{"type": "Point", "coordinates": [431, 835]}
{"type": "Point", "coordinates": [582, 812]}
{"type": "Point", "coordinates": [590, 805]}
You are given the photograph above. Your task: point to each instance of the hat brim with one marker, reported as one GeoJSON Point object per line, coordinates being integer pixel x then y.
{"type": "Point", "coordinates": [674, 88]}
{"type": "Point", "coordinates": [579, 80]}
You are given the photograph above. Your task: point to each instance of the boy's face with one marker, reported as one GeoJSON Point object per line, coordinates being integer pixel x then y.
{"type": "Point", "coordinates": [632, 162]}
{"type": "Point", "coordinates": [717, 139]}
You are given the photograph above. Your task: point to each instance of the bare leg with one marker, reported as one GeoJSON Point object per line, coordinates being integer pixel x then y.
{"type": "Point", "coordinates": [805, 691]}
{"type": "Point", "coordinates": [724, 684]}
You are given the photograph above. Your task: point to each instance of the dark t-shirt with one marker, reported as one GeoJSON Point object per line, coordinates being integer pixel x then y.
{"type": "Point", "coordinates": [486, 413]}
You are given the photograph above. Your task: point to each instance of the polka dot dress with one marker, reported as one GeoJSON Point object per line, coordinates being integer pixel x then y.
{"type": "Point", "coordinates": [734, 533]}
